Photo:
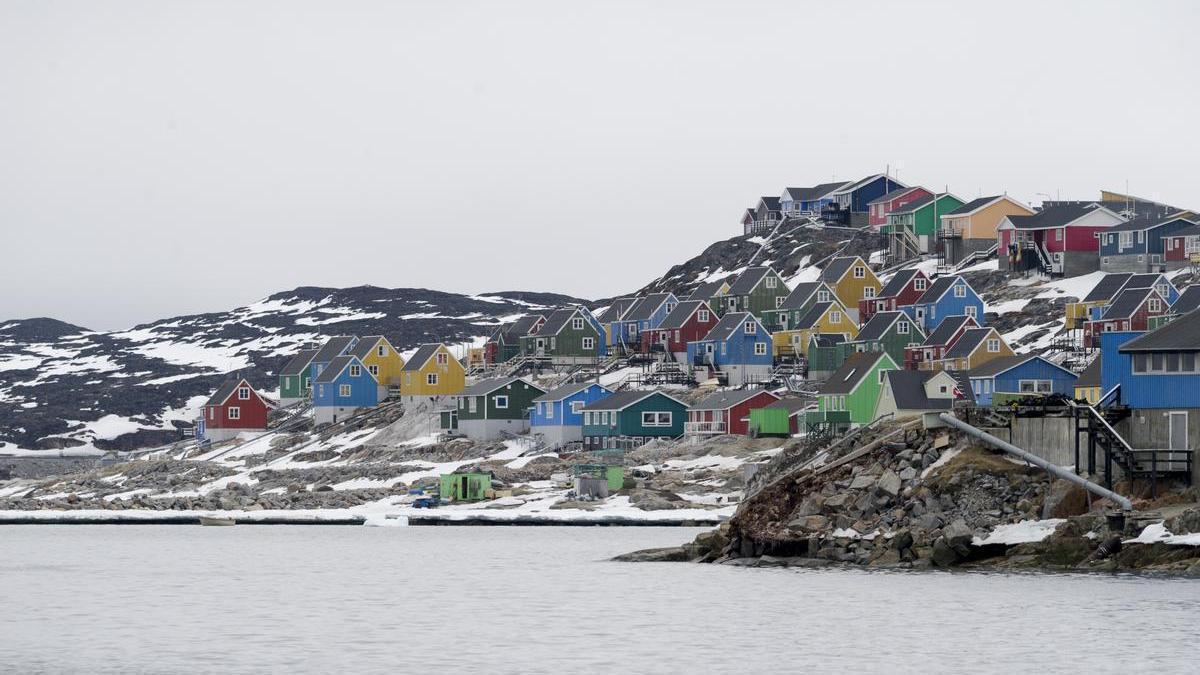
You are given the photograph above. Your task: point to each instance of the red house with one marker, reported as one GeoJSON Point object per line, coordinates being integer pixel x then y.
{"type": "Point", "coordinates": [1179, 248]}
{"type": "Point", "coordinates": [934, 348]}
{"type": "Point", "coordinates": [234, 408]}
{"type": "Point", "coordinates": [690, 321]}
{"type": "Point", "coordinates": [726, 412]}
{"type": "Point", "coordinates": [902, 289]}
{"type": "Point", "coordinates": [878, 209]}
{"type": "Point", "coordinates": [1130, 310]}
{"type": "Point", "coordinates": [1063, 239]}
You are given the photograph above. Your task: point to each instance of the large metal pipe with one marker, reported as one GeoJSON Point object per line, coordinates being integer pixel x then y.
{"type": "Point", "coordinates": [1058, 471]}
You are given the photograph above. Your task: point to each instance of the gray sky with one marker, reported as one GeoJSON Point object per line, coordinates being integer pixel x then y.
{"type": "Point", "coordinates": [159, 158]}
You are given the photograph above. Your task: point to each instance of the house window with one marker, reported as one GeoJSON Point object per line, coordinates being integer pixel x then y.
{"type": "Point", "coordinates": [355, 371]}
{"type": "Point", "coordinates": [243, 393]}
{"type": "Point", "coordinates": [589, 343]}
{"type": "Point", "coordinates": [501, 402]}
{"type": "Point", "coordinates": [431, 379]}
{"type": "Point", "coordinates": [577, 324]}
{"type": "Point", "coordinates": [860, 272]}
{"type": "Point", "coordinates": [576, 406]}
{"type": "Point", "coordinates": [343, 390]}
{"type": "Point", "coordinates": [822, 295]}
{"type": "Point", "coordinates": [235, 413]}
{"type": "Point", "coordinates": [919, 284]}
{"type": "Point", "coordinates": [733, 303]}
{"type": "Point", "coordinates": [1104, 260]}
{"type": "Point", "coordinates": [473, 404]}
{"type": "Point", "coordinates": [1155, 305]}
{"type": "Point", "coordinates": [868, 291]}
{"type": "Point", "coordinates": [1141, 258]}
{"type": "Point", "coordinates": [750, 328]}
{"type": "Point", "coordinates": [212, 413]}
{"type": "Point", "coordinates": [902, 328]}
{"type": "Point", "coordinates": [779, 301]}
{"type": "Point", "coordinates": [772, 282]}
{"type": "Point", "coordinates": [656, 419]}
{"type": "Point", "coordinates": [373, 369]}
{"type": "Point", "coordinates": [702, 315]}
{"type": "Point", "coordinates": [442, 358]}
{"type": "Point", "coordinates": [960, 291]}
{"type": "Point", "coordinates": [760, 348]}
{"type": "Point", "coordinates": [1058, 235]}
{"type": "Point", "coordinates": [1126, 240]}
{"type": "Point", "coordinates": [664, 336]}
{"type": "Point", "coordinates": [1036, 386]}
{"type": "Point", "coordinates": [381, 350]}
{"type": "Point", "coordinates": [835, 317]}
{"type": "Point", "coordinates": [320, 390]}
{"type": "Point", "coordinates": [993, 345]}
{"type": "Point", "coordinates": [971, 312]}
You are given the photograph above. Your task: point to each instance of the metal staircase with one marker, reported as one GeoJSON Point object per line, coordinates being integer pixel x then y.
{"type": "Point", "coordinates": [1135, 463]}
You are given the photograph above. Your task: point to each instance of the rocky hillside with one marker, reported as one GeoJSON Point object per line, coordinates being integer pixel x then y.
{"type": "Point", "coordinates": [66, 386]}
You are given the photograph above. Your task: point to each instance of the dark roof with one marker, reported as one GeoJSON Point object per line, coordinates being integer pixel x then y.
{"type": "Point", "coordinates": [616, 310]}
{"type": "Point", "coordinates": [908, 388]}
{"type": "Point", "coordinates": [223, 392]}
{"type": "Point", "coordinates": [1090, 377]}
{"type": "Point", "coordinates": [747, 280]}
{"type": "Point", "coordinates": [682, 312]}
{"type": "Point", "coordinates": [723, 400]}
{"type": "Point", "coordinates": [936, 290]}
{"type": "Point", "coordinates": [808, 194]}
{"type": "Point", "coordinates": [858, 184]}
{"type": "Point", "coordinates": [727, 325]}
{"type": "Point", "coordinates": [646, 307]}
{"type": "Point", "coordinates": [999, 365]}
{"type": "Point", "coordinates": [847, 377]}
{"type": "Point", "coordinates": [835, 269]}
{"type": "Point", "coordinates": [826, 339]}
{"type": "Point", "coordinates": [423, 354]}
{"type": "Point", "coordinates": [894, 194]}
{"type": "Point", "coordinates": [332, 348]}
{"type": "Point", "coordinates": [946, 329]}
{"type": "Point", "coordinates": [707, 291]}
{"type": "Point", "coordinates": [800, 294]}
{"type": "Point", "coordinates": [565, 391]}
{"type": "Point", "coordinates": [914, 205]}
{"type": "Point", "coordinates": [485, 387]}
{"type": "Point", "coordinates": [811, 317]}
{"type": "Point", "coordinates": [1126, 303]}
{"type": "Point", "coordinates": [334, 369]}
{"type": "Point", "coordinates": [1146, 222]}
{"type": "Point", "coordinates": [973, 205]}
{"type": "Point", "coordinates": [1143, 281]}
{"type": "Point", "coordinates": [878, 325]}
{"type": "Point", "coordinates": [1188, 300]}
{"type": "Point", "coordinates": [971, 338]}
{"type": "Point", "coordinates": [1107, 287]}
{"type": "Point", "coordinates": [515, 330]}
{"type": "Point", "coordinates": [1054, 216]}
{"type": "Point", "coordinates": [1182, 334]}
{"type": "Point", "coordinates": [791, 404]}
{"type": "Point", "coordinates": [624, 399]}
{"type": "Point", "coordinates": [299, 363]}
{"type": "Point", "coordinates": [964, 384]}
{"type": "Point", "coordinates": [897, 283]}
{"type": "Point", "coordinates": [771, 202]}
{"type": "Point", "coordinates": [556, 320]}
{"type": "Point", "coordinates": [365, 345]}
{"type": "Point", "coordinates": [1186, 232]}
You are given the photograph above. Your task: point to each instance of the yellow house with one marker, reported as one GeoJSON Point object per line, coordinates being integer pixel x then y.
{"type": "Point", "coordinates": [851, 280]}
{"type": "Point", "coordinates": [979, 218]}
{"type": "Point", "coordinates": [974, 348]}
{"type": "Point", "coordinates": [432, 372]}
{"type": "Point", "coordinates": [381, 359]}
{"type": "Point", "coordinates": [1087, 386]}
{"type": "Point", "coordinates": [824, 318]}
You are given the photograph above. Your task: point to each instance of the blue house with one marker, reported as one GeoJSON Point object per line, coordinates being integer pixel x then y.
{"type": "Point", "coordinates": [344, 386]}
{"type": "Point", "coordinates": [807, 200]}
{"type": "Point", "coordinates": [558, 414]}
{"type": "Point", "coordinates": [737, 349]}
{"type": "Point", "coordinates": [646, 314]}
{"type": "Point", "coordinates": [334, 347]}
{"type": "Point", "coordinates": [1137, 245]}
{"type": "Point", "coordinates": [1005, 378]}
{"type": "Point", "coordinates": [946, 296]}
{"type": "Point", "coordinates": [1132, 282]}
{"type": "Point", "coordinates": [849, 205]}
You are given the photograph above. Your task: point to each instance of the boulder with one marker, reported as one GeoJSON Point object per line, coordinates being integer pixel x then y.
{"type": "Point", "coordinates": [943, 554]}
{"type": "Point", "coordinates": [862, 482]}
{"type": "Point", "coordinates": [813, 523]}
{"type": "Point", "coordinates": [1065, 499]}
{"type": "Point", "coordinates": [811, 506]}
{"type": "Point", "coordinates": [837, 501]}
{"type": "Point", "coordinates": [1186, 522]}
{"type": "Point", "coordinates": [958, 535]}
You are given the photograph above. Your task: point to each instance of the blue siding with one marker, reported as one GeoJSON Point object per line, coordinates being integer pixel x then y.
{"type": "Point", "coordinates": [558, 413]}
{"type": "Point", "coordinates": [364, 390]}
{"type": "Point", "coordinates": [631, 331]}
{"type": "Point", "coordinates": [815, 204]}
{"type": "Point", "coordinates": [870, 192]}
{"type": "Point", "coordinates": [1009, 381]}
{"type": "Point", "coordinates": [1151, 243]}
{"type": "Point", "coordinates": [1143, 391]}
{"type": "Point", "coordinates": [602, 340]}
{"type": "Point", "coordinates": [947, 305]}
{"type": "Point", "coordinates": [738, 350]}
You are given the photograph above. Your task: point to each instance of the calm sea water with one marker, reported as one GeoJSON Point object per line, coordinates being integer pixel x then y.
{"type": "Point", "coordinates": [167, 599]}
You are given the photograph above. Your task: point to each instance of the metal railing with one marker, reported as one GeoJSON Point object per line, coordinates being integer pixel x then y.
{"type": "Point", "coordinates": [697, 428]}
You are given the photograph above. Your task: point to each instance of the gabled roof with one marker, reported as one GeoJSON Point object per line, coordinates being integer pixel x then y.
{"type": "Point", "coordinates": [624, 399]}
{"type": "Point", "coordinates": [968, 343]}
{"type": "Point", "coordinates": [1147, 280]}
{"type": "Point", "coordinates": [938, 288]}
{"type": "Point", "coordinates": [1090, 377]}
{"type": "Point", "coordinates": [1107, 288]}
{"type": "Point", "coordinates": [421, 356]}
{"type": "Point", "coordinates": [878, 325]}
{"type": "Point", "coordinates": [792, 404]}
{"type": "Point", "coordinates": [556, 321]}
{"type": "Point", "coordinates": [682, 312]}
{"type": "Point", "coordinates": [812, 316]}
{"type": "Point", "coordinates": [367, 345]}
{"type": "Point", "coordinates": [299, 363]}
{"type": "Point", "coordinates": [748, 280]}
{"type": "Point", "coordinates": [772, 203]}
{"type": "Point", "coordinates": [647, 306]}
{"type": "Point", "coordinates": [897, 283]}
{"type": "Point", "coordinates": [1180, 335]}
{"type": "Point", "coordinates": [335, 368]}
{"type": "Point", "coordinates": [920, 203]}
{"type": "Point", "coordinates": [707, 291]}
{"type": "Point", "coordinates": [485, 387]}
{"type": "Point", "coordinates": [724, 400]}
{"type": "Point", "coordinates": [1148, 223]}
{"type": "Point", "coordinates": [894, 194]}
{"type": "Point", "coordinates": [1003, 364]}
{"type": "Point", "coordinates": [974, 205]}
{"type": "Point", "coordinates": [800, 294]}
{"type": "Point", "coordinates": [569, 390]}
{"type": "Point", "coordinates": [826, 339]}
{"type": "Point", "coordinates": [619, 308]}
{"type": "Point", "coordinates": [1187, 301]}
{"type": "Point", "coordinates": [518, 329]}
{"type": "Point", "coordinates": [809, 194]}
{"type": "Point", "coordinates": [908, 390]}
{"type": "Point", "coordinates": [226, 390]}
{"type": "Point", "coordinates": [851, 373]}
{"type": "Point", "coordinates": [729, 324]}
{"type": "Point", "coordinates": [333, 347]}
{"type": "Point", "coordinates": [851, 187]}
{"type": "Point", "coordinates": [1126, 303]}
{"type": "Point", "coordinates": [1192, 231]}
{"type": "Point", "coordinates": [836, 269]}
{"type": "Point", "coordinates": [1055, 216]}
{"type": "Point", "coordinates": [946, 329]}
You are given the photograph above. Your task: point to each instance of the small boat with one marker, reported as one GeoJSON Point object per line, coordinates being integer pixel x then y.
{"type": "Point", "coordinates": [217, 521]}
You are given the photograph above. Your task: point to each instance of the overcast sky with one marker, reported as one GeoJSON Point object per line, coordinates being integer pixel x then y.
{"type": "Point", "coordinates": [160, 158]}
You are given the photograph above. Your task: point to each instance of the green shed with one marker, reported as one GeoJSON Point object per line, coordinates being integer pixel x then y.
{"type": "Point", "coordinates": [614, 474]}
{"type": "Point", "coordinates": [781, 418]}
{"type": "Point", "coordinates": [465, 487]}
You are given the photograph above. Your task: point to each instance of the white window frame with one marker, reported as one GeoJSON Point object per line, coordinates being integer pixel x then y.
{"type": "Point", "coordinates": [577, 323]}
{"type": "Point", "coordinates": [344, 391]}
{"type": "Point", "coordinates": [589, 343]}
{"type": "Point", "coordinates": [750, 328]}
{"type": "Point", "coordinates": [902, 328]}
{"type": "Point", "coordinates": [860, 272]}
{"type": "Point", "coordinates": [868, 292]}
{"type": "Point", "coordinates": [960, 290]}
{"type": "Point", "coordinates": [993, 345]}
{"type": "Point", "coordinates": [431, 379]}
{"type": "Point", "coordinates": [971, 311]}
{"type": "Point", "coordinates": [760, 349]}
{"type": "Point", "coordinates": [779, 301]}
{"type": "Point", "coordinates": [234, 412]}
{"type": "Point", "coordinates": [441, 358]}
{"type": "Point", "coordinates": [381, 350]}
{"type": "Point", "coordinates": [656, 418]}
{"type": "Point", "coordinates": [772, 282]}
{"type": "Point", "coordinates": [500, 401]}
{"type": "Point", "coordinates": [835, 316]}
{"type": "Point", "coordinates": [243, 393]}
{"type": "Point", "coordinates": [702, 316]}
{"type": "Point", "coordinates": [919, 284]}
{"type": "Point", "coordinates": [822, 295]}
{"type": "Point", "coordinates": [373, 369]}
{"type": "Point", "coordinates": [355, 370]}
{"type": "Point", "coordinates": [576, 407]}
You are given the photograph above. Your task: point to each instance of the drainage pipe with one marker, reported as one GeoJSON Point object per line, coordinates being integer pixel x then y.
{"type": "Point", "coordinates": [1054, 469]}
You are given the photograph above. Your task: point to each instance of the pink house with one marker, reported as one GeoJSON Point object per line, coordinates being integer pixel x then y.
{"type": "Point", "coordinates": [878, 209]}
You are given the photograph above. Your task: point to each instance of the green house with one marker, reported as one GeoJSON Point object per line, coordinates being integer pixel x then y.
{"type": "Point", "coordinates": [781, 418]}
{"type": "Point", "coordinates": [489, 409]}
{"type": "Point", "coordinates": [889, 332]}
{"type": "Point", "coordinates": [797, 303]}
{"type": "Point", "coordinates": [627, 419]}
{"type": "Point", "coordinates": [294, 382]}
{"type": "Point", "coordinates": [826, 353]}
{"type": "Point", "coordinates": [505, 343]}
{"type": "Point", "coordinates": [922, 217]}
{"type": "Point", "coordinates": [848, 397]}
{"type": "Point", "coordinates": [569, 336]}
{"type": "Point", "coordinates": [465, 486]}
{"type": "Point", "coordinates": [758, 290]}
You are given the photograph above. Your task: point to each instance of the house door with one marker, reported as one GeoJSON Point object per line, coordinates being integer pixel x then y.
{"type": "Point", "coordinates": [921, 316]}
{"type": "Point", "coordinates": [464, 489]}
{"type": "Point", "coordinates": [1178, 430]}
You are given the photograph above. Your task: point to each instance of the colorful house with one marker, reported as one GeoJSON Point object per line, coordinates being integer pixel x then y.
{"type": "Point", "coordinates": [781, 418]}
{"type": "Point", "coordinates": [913, 228]}
{"type": "Point", "coordinates": [726, 412]}
{"type": "Point", "coordinates": [490, 409]}
{"type": "Point", "coordinates": [1100, 296]}
{"type": "Point", "coordinates": [796, 304]}
{"type": "Point", "coordinates": [848, 397]}
{"type": "Point", "coordinates": [558, 414]}
{"type": "Point", "coordinates": [1130, 311]}
{"type": "Point", "coordinates": [851, 280]}
{"type": "Point", "coordinates": [737, 350]}
{"type": "Point", "coordinates": [1003, 380]}
{"type": "Point", "coordinates": [929, 354]}
{"type": "Point", "coordinates": [974, 348]}
{"type": "Point", "coordinates": [382, 361]}
{"type": "Point", "coordinates": [826, 353]}
{"type": "Point", "coordinates": [432, 374]}
{"type": "Point", "coordinates": [946, 296]}
{"type": "Point", "coordinates": [1181, 248]}
{"type": "Point", "coordinates": [1058, 240]}
{"type": "Point", "coordinates": [757, 290]}
{"type": "Point", "coordinates": [570, 336]}
{"type": "Point", "coordinates": [849, 206]}
{"type": "Point", "coordinates": [905, 394]}
{"type": "Point", "coordinates": [904, 288]}
{"type": "Point", "coordinates": [828, 318]}
{"type": "Point", "coordinates": [505, 344]}
{"type": "Point", "coordinates": [972, 227]}
{"type": "Point", "coordinates": [645, 314]}
{"type": "Point", "coordinates": [890, 332]}
{"type": "Point", "coordinates": [763, 217]}
{"type": "Point", "coordinates": [233, 408]}
{"type": "Point", "coordinates": [879, 208]}
{"type": "Point", "coordinates": [1087, 385]}
{"type": "Point", "coordinates": [465, 486]}
{"type": "Point", "coordinates": [690, 321]}
{"type": "Point", "coordinates": [1137, 246]}
{"type": "Point", "coordinates": [709, 292]}
{"type": "Point", "coordinates": [344, 387]}
{"type": "Point", "coordinates": [295, 379]}
{"type": "Point", "coordinates": [628, 419]}
{"type": "Point", "coordinates": [611, 317]}
{"type": "Point", "coordinates": [808, 201]}
{"type": "Point", "coordinates": [336, 346]}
